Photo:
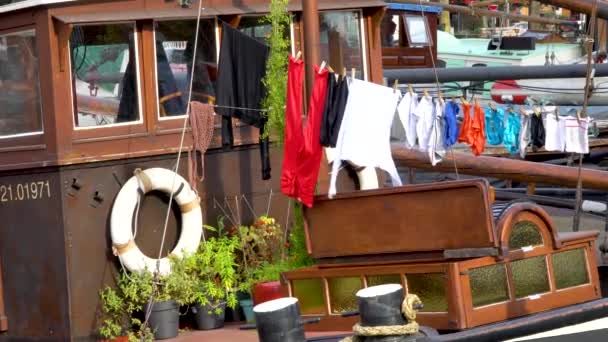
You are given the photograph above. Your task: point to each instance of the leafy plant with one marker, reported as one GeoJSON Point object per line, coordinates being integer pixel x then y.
{"type": "Point", "coordinates": [275, 79]}
{"type": "Point", "coordinates": [212, 270]}
{"type": "Point", "coordinates": [115, 321]}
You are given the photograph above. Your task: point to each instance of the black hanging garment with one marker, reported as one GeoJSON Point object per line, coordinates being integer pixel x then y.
{"type": "Point", "coordinates": [537, 131]}
{"type": "Point", "coordinates": [335, 104]}
{"type": "Point", "coordinates": [242, 67]}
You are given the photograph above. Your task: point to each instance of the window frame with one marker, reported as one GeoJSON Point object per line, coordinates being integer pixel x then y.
{"type": "Point", "coordinates": [362, 36]}
{"type": "Point", "coordinates": [28, 140]}
{"type": "Point", "coordinates": [429, 36]}
{"type": "Point", "coordinates": [163, 122]}
{"type": "Point", "coordinates": [117, 130]}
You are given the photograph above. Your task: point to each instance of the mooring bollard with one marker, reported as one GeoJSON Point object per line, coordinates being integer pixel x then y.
{"type": "Point", "coordinates": [279, 321]}
{"type": "Point", "coordinates": [385, 316]}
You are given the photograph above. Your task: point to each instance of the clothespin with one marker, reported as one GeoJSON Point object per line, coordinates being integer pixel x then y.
{"type": "Point", "coordinates": [410, 89]}
{"type": "Point", "coordinates": [344, 72]}
{"type": "Point", "coordinates": [536, 110]}
{"type": "Point", "coordinates": [298, 55]}
{"type": "Point", "coordinates": [557, 113]}
{"type": "Point", "coordinates": [426, 93]}
{"type": "Point", "coordinates": [463, 100]}
{"type": "Point", "coordinates": [353, 72]}
{"type": "Point", "coordinates": [395, 85]}
{"type": "Point", "coordinates": [476, 99]}
{"type": "Point", "coordinates": [440, 96]}
{"type": "Point", "coordinates": [330, 69]}
{"type": "Point", "coordinates": [492, 105]}
{"type": "Point", "coordinates": [578, 116]}
{"type": "Point", "coordinates": [322, 67]}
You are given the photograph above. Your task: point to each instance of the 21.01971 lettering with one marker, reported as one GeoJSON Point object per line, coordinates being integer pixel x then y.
{"type": "Point", "coordinates": [25, 191]}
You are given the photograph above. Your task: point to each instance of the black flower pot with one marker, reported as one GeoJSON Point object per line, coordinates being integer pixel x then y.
{"type": "Point", "coordinates": [207, 318]}
{"type": "Point", "coordinates": [164, 319]}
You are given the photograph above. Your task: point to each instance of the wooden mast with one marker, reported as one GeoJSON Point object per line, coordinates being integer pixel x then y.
{"type": "Point", "coordinates": [310, 15]}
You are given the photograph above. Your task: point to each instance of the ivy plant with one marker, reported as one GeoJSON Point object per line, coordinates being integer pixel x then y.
{"type": "Point", "coordinates": [275, 79]}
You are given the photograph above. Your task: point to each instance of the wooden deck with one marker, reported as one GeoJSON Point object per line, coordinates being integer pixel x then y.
{"type": "Point", "coordinates": [231, 333]}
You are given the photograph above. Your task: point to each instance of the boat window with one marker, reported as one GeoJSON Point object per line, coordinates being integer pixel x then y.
{"type": "Point", "coordinates": [20, 105]}
{"type": "Point", "coordinates": [417, 30]}
{"type": "Point", "coordinates": [390, 30]}
{"type": "Point", "coordinates": [342, 293]}
{"type": "Point", "coordinates": [570, 268]}
{"type": "Point", "coordinates": [174, 53]}
{"type": "Point", "coordinates": [530, 276]}
{"type": "Point", "coordinates": [524, 234]}
{"type": "Point", "coordinates": [310, 294]}
{"type": "Point", "coordinates": [489, 285]}
{"type": "Point", "coordinates": [104, 74]}
{"type": "Point", "coordinates": [341, 40]}
{"type": "Point", "coordinates": [430, 288]}
{"type": "Point", "coordinates": [383, 279]}
{"type": "Point", "coordinates": [255, 27]}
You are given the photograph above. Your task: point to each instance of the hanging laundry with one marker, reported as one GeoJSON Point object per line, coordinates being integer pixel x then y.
{"type": "Point", "coordinates": [406, 114]}
{"type": "Point", "coordinates": [451, 123]}
{"type": "Point", "coordinates": [464, 135]}
{"type": "Point", "coordinates": [512, 129]}
{"type": "Point", "coordinates": [478, 131]}
{"type": "Point", "coordinates": [436, 142]}
{"type": "Point", "coordinates": [302, 151]}
{"type": "Point", "coordinates": [577, 136]}
{"type": "Point", "coordinates": [241, 69]}
{"type": "Point", "coordinates": [335, 103]}
{"type": "Point", "coordinates": [555, 133]}
{"type": "Point", "coordinates": [424, 122]}
{"type": "Point", "coordinates": [364, 139]}
{"type": "Point", "coordinates": [494, 118]}
{"type": "Point", "coordinates": [524, 134]}
{"type": "Point", "coordinates": [537, 130]}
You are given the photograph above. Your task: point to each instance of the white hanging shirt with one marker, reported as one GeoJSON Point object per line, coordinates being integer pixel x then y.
{"type": "Point", "coordinates": [436, 141]}
{"type": "Point", "coordinates": [424, 115]}
{"type": "Point", "coordinates": [364, 137]}
{"type": "Point", "coordinates": [577, 138]}
{"type": "Point", "coordinates": [406, 114]}
{"type": "Point", "coordinates": [524, 134]}
{"type": "Point", "coordinates": [555, 133]}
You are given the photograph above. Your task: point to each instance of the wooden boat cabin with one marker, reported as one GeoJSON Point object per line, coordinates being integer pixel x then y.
{"type": "Point", "coordinates": [409, 36]}
{"type": "Point", "coordinates": [471, 261]}
{"type": "Point", "coordinates": [83, 103]}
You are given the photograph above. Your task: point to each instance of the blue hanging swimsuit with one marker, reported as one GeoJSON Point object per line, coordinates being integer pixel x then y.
{"type": "Point", "coordinates": [511, 135]}
{"type": "Point", "coordinates": [494, 126]}
{"type": "Point", "coordinates": [451, 123]}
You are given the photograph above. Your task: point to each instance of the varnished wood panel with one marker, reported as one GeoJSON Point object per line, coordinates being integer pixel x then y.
{"type": "Point", "coordinates": [417, 218]}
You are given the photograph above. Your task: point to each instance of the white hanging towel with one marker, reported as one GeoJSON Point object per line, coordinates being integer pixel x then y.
{"type": "Point", "coordinates": [577, 138]}
{"type": "Point", "coordinates": [364, 137]}
{"type": "Point", "coordinates": [406, 114]}
{"type": "Point", "coordinates": [524, 134]}
{"type": "Point", "coordinates": [424, 115]}
{"type": "Point", "coordinates": [555, 133]}
{"type": "Point", "coordinates": [436, 141]}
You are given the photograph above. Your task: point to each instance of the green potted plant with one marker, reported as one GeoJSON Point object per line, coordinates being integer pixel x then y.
{"type": "Point", "coordinates": [115, 325]}
{"type": "Point", "coordinates": [214, 269]}
{"type": "Point", "coordinates": [169, 293]}
{"type": "Point", "coordinates": [119, 303]}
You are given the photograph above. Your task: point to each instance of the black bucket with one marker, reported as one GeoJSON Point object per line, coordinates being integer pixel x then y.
{"type": "Point", "coordinates": [207, 318]}
{"type": "Point", "coordinates": [164, 319]}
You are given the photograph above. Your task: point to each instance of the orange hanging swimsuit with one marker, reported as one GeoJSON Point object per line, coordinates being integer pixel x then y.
{"type": "Point", "coordinates": [465, 130]}
{"type": "Point", "coordinates": [478, 131]}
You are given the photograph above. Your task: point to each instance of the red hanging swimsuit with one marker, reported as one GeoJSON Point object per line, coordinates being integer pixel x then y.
{"type": "Point", "coordinates": [302, 150]}
{"type": "Point", "coordinates": [478, 131]}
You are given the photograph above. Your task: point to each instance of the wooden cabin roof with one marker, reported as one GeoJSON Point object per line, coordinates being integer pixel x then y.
{"type": "Point", "coordinates": [16, 5]}
{"type": "Point", "coordinates": [216, 8]}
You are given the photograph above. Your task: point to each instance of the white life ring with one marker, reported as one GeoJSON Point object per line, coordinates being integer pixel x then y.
{"type": "Point", "coordinates": [124, 208]}
{"type": "Point", "coordinates": [368, 179]}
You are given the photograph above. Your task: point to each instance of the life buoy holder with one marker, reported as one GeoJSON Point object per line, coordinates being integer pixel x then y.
{"type": "Point", "coordinates": [368, 178]}
{"type": "Point", "coordinates": [142, 182]}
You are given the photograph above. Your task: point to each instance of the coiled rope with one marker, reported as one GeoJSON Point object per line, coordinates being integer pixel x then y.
{"type": "Point", "coordinates": [408, 308]}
